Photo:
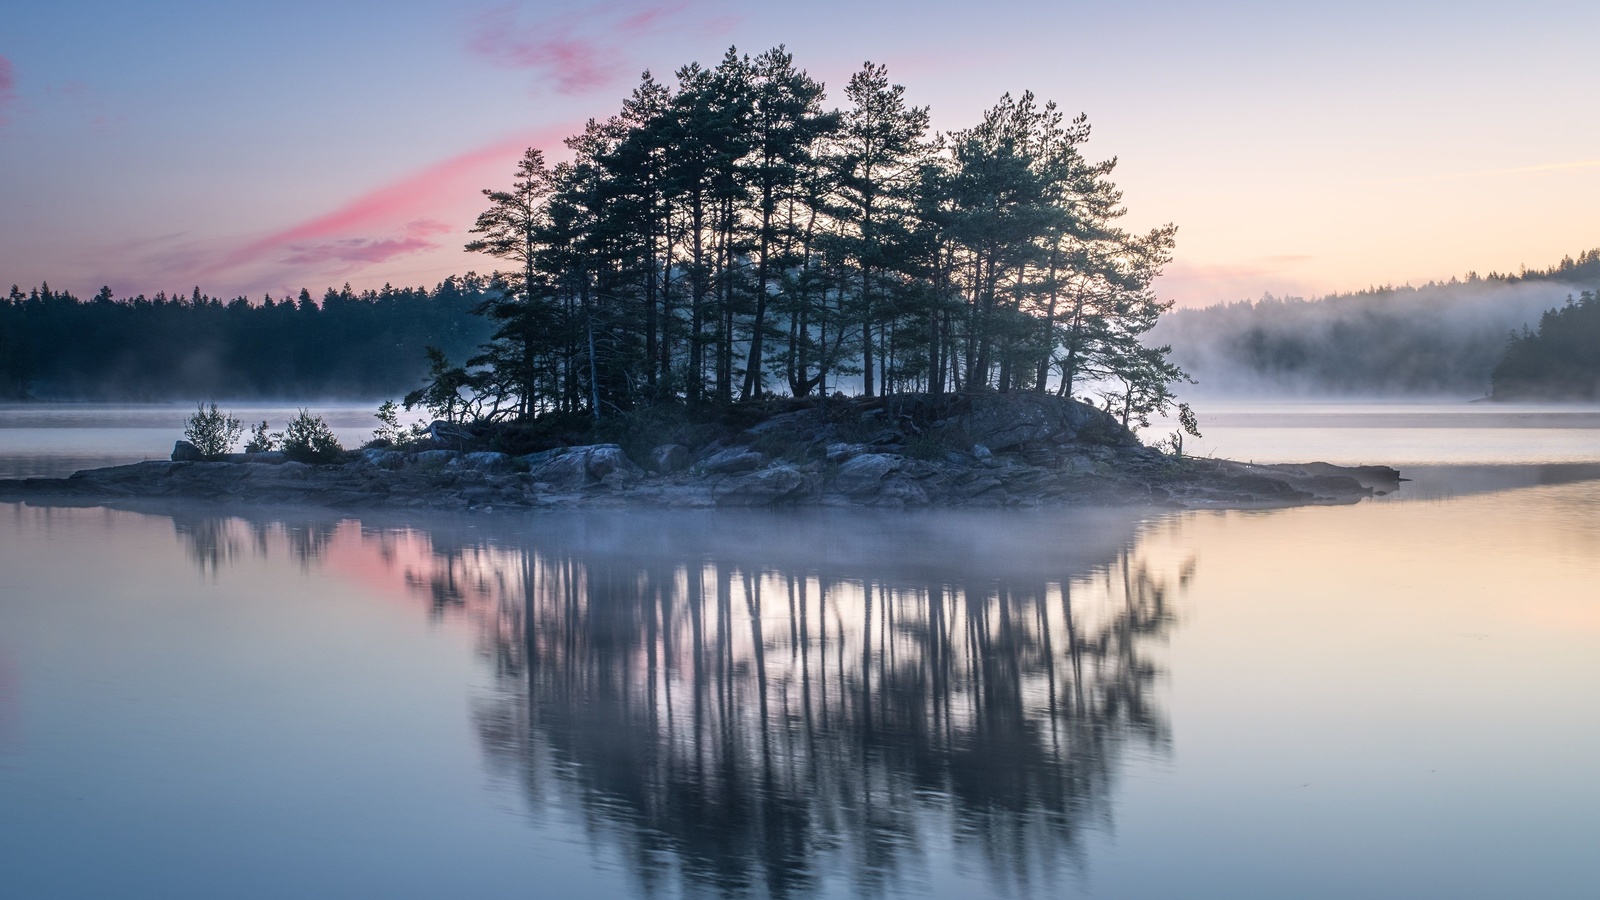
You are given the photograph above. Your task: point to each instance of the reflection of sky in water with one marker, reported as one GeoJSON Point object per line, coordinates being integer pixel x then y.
{"type": "Point", "coordinates": [1388, 699]}
{"type": "Point", "coordinates": [1399, 447]}
{"type": "Point", "coordinates": [1396, 434]}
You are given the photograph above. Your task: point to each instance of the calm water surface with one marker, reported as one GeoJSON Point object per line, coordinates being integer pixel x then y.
{"type": "Point", "coordinates": [1393, 699]}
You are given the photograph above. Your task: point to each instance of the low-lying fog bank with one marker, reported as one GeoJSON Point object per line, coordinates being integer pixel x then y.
{"type": "Point", "coordinates": [1441, 340]}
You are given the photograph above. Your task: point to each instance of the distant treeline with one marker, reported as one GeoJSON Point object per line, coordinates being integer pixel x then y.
{"type": "Point", "coordinates": [54, 345]}
{"type": "Point", "coordinates": [1561, 361]}
{"type": "Point", "coordinates": [1440, 338]}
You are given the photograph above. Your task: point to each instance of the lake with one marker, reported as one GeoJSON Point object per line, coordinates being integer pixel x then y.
{"type": "Point", "coordinates": [1390, 699]}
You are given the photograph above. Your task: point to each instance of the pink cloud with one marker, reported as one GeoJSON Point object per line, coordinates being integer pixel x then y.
{"type": "Point", "coordinates": [409, 230]}
{"type": "Point", "coordinates": [358, 250]}
{"type": "Point", "coordinates": [644, 21]}
{"type": "Point", "coordinates": [578, 51]}
{"type": "Point", "coordinates": [367, 250]}
{"type": "Point", "coordinates": [394, 219]}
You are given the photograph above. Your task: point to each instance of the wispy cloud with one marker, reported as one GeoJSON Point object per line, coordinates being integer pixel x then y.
{"type": "Point", "coordinates": [392, 220]}
{"type": "Point", "coordinates": [585, 49]}
{"type": "Point", "coordinates": [412, 225]}
{"type": "Point", "coordinates": [368, 250]}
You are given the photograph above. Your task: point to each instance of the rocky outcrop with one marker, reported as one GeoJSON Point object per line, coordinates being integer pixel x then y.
{"type": "Point", "coordinates": [901, 452]}
{"type": "Point", "coordinates": [1004, 422]}
{"type": "Point", "coordinates": [579, 467]}
{"type": "Point", "coordinates": [780, 485]}
{"type": "Point", "coordinates": [669, 458]}
{"type": "Point", "coordinates": [732, 461]}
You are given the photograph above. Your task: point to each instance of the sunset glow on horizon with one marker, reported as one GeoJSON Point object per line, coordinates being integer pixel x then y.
{"type": "Point", "coordinates": [262, 149]}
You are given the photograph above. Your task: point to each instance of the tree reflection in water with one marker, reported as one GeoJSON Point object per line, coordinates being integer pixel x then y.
{"type": "Point", "coordinates": [745, 725]}
{"type": "Point", "coordinates": [741, 704]}
{"type": "Point", "coordinates": [216, 542]}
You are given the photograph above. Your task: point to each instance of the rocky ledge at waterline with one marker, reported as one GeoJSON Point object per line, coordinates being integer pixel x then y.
{"type": "Point", "coordinates": [978, 450]}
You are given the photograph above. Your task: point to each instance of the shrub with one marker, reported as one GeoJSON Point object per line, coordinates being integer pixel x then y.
{"type": "Point", "coordinates": [308, 439]}
{"type": "Point", "coordinates": [262, 441]}
{"type": "Point", "coordinates": [390, 433]}
{"type": "Point", "coordinates": [212, 431]}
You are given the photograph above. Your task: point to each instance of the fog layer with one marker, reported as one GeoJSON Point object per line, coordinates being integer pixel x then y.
{"type": "Point", "coordinates": [1441, 339]}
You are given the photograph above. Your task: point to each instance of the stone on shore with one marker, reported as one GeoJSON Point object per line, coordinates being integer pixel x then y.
{"type": "Point", "coordinates": [774, 486]}
{"type": "Point", "coordinates": [669, 458]}
{"type": "Point", "coordinates": [978, 450]}
{"type": "Point", "coordinates": [732, 461]}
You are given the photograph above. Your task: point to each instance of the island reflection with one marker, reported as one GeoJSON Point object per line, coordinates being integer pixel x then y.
{"type": "Point", "coordinates": [757, 703]}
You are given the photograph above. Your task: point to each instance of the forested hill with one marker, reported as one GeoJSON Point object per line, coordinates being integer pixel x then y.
{"type": "Point", "coordinates": [365, 345]}
{"type": "Point", "coordinates": [1561, 361]}
{"type": "Point", "coordinates": [1443, 338]}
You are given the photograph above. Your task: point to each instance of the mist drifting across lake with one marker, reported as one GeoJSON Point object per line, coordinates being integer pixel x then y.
{"type": "Point", "coordinates": [53, 440]}
{"type": "Point", "coordinates": [1391, 699]}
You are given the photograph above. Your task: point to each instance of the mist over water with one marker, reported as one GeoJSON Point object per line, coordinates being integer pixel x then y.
{"type": "Point", "coordinates": [1095, 703]}
{"type": "Point", "coordinates": [1402, 434]}
{"type": "Point", "coordinates": [53, 440]}
{"type": "Point", "coordinates": [1387, 699]}
{"type": "Point", "coordinates": [1440, 340]}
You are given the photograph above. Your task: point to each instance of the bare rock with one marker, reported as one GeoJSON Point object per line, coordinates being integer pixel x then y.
{"type": "Point", "coordinates": [183, 451]}
{"type": "Point", "coordinates": [383, 459]}
{"type": "Point", "coordinates": [839, 452]}
{"type": "Point", "coordinates": [486, 462]}
{"type": "Point", "coordinates": [865, 473]}
{"type": "Point", "coordinates": [732, 461]}
{"type": "Point", "coordinates": [569, 470]}
{"type": "Point", "coordinates": [777, 485]}
{"type": "Point", "coordinates": [605, 460]}
{"type": "Point", "coordinates": [581, 467]}
{"type": "Point", "coordinates": [534, 460]}
{"type": "Point", "coordinates": [898, 490]}
{"type": "Point", "coordinates": [670, 458]}
{"type": "Point", "coordinates": [1008, 421]}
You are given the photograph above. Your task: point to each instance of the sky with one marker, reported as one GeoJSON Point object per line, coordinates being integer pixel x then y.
{"type": "Point", "coordinates": [252, 148]}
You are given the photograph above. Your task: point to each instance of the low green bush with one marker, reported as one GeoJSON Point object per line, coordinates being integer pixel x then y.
{"type": "Point", "coordinates": [308, 439]}
{"type": "Point", "coordinates": [262, 440]}
{"type": "Point", "coordinates": [212, 431]}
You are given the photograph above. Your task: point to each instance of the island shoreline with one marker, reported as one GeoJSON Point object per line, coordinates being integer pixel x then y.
{"type": "Point", "coordinates": [914, 451]}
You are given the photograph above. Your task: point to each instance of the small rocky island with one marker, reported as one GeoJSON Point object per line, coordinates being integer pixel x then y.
{"type": "Point", "coordinates": [904, 451]}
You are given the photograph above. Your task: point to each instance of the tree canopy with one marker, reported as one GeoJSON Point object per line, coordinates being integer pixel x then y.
{"type": "Point", "coordinates": [723, 237]}
{"type": "Point", "coordinates": [1560, 361]}
{"type": "Point", "coordinates": [727, 237]}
